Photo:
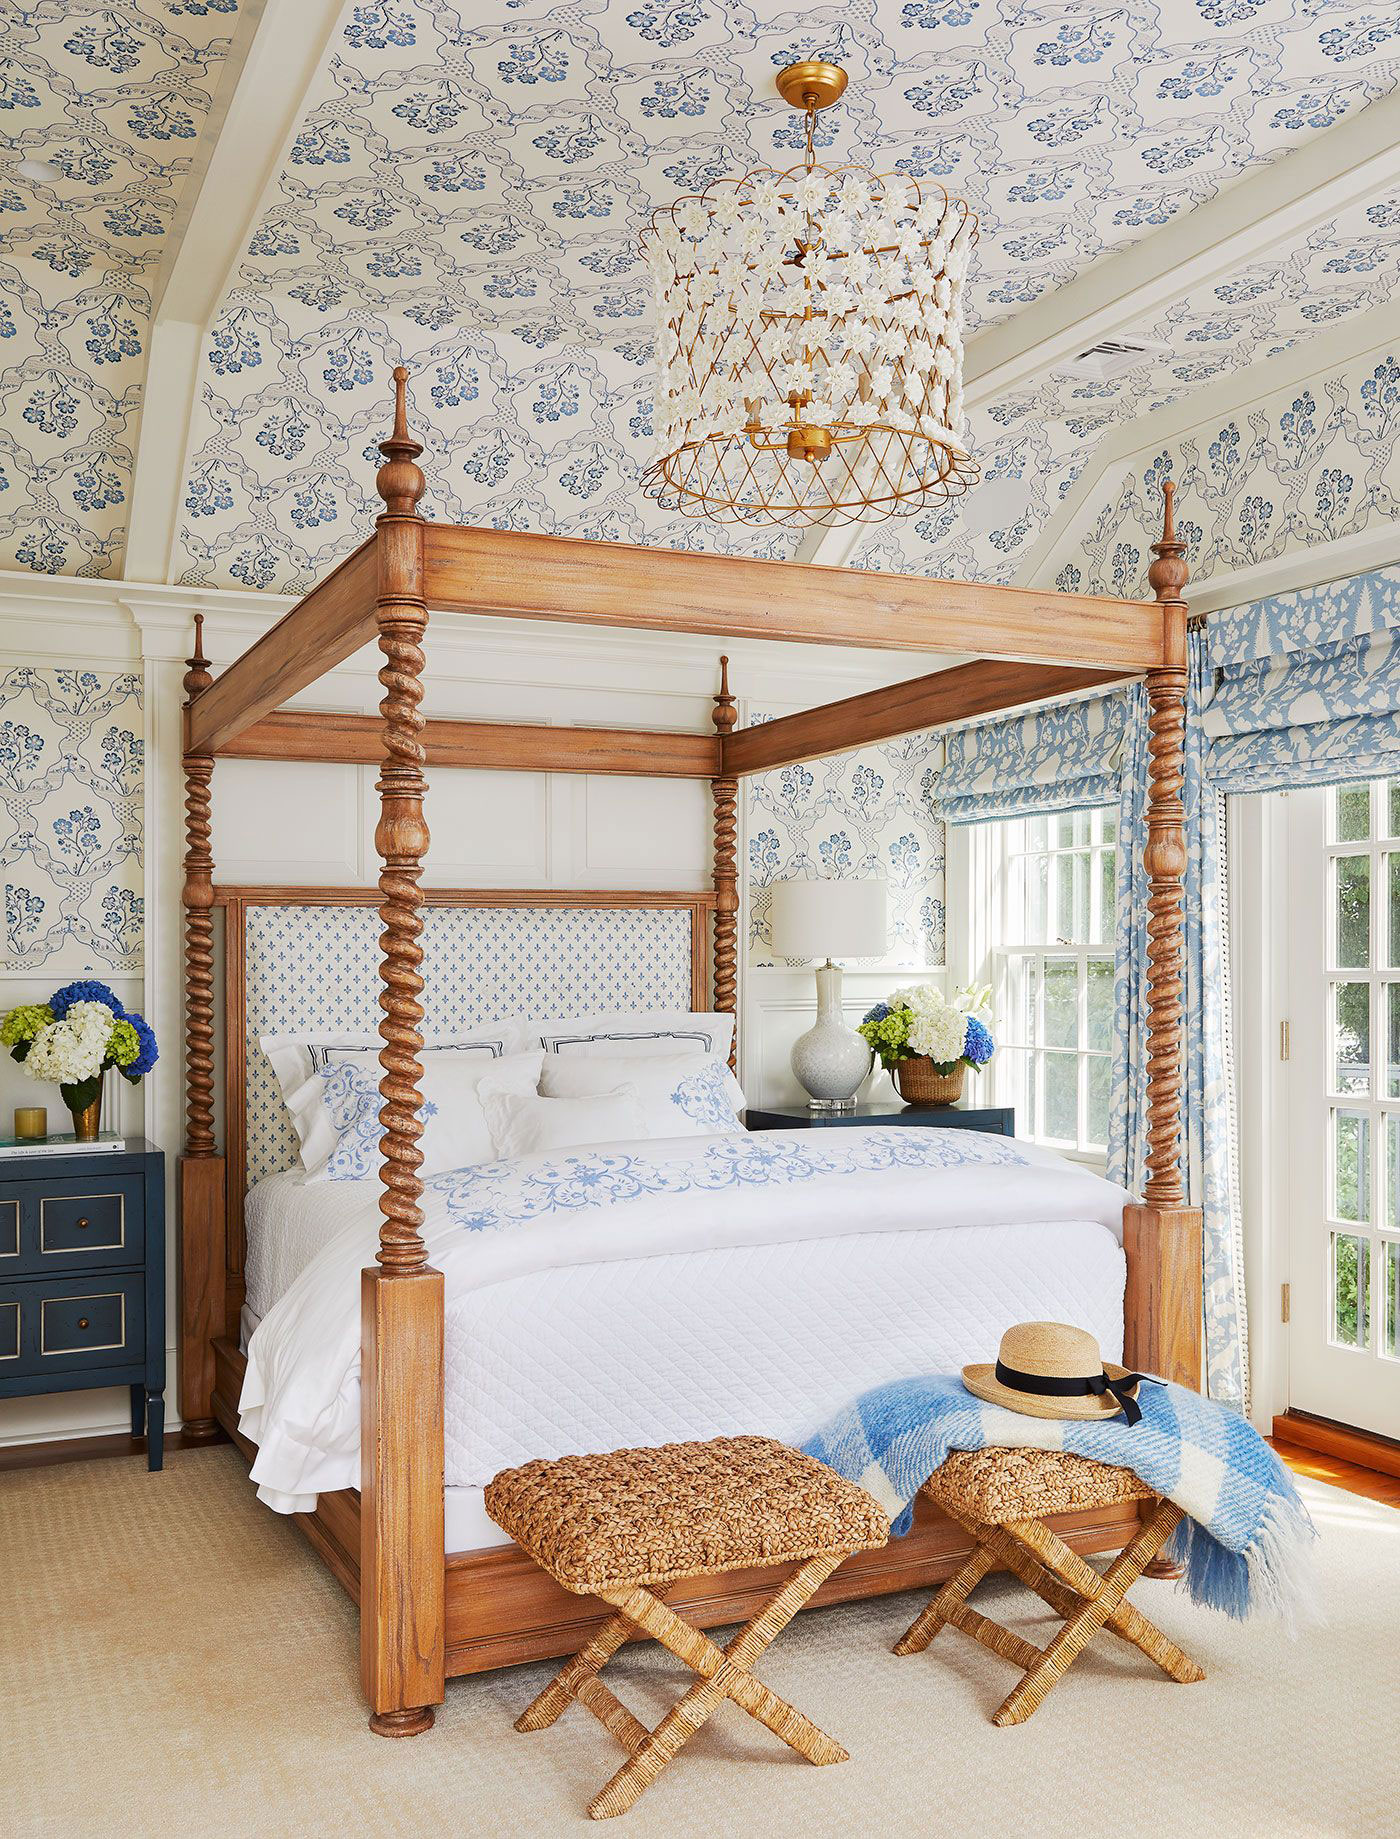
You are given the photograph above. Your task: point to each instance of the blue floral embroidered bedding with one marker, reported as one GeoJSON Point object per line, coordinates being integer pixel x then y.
{"type": "Point", "coordinates": [587, 1290]}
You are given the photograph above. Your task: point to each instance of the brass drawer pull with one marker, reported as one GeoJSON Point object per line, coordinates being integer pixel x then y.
{"type": "Point", "coordinates": [82, 1321]}
{"type": "Point", "coordinates": [82, 1225]}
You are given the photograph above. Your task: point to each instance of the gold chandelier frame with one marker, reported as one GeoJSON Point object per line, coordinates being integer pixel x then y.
{"type": "Point", "coordinates": [790, 463]}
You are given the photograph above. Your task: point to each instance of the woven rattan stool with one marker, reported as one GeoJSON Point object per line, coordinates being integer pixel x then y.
{"type": "Point", "coordinates": [1001, 1497]}
{"type": "Point", "coordinates": [613, 1526]}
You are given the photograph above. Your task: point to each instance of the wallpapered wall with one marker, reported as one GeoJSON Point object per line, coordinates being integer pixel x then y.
{"type": "Point", "coordinates": [1308, 465]}
{"type": "Point", "coordinates": [467, 187]}
{"type": "Point", "coordinates": [856, 816]}
{"type": "Point", "coordinates": [72, 761]}
{"type": "Point", "coordinates": [113, 97]}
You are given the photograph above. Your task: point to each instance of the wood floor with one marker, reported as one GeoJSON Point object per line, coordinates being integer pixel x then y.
{"type": "Point", "coordinates": [1341, 1474]}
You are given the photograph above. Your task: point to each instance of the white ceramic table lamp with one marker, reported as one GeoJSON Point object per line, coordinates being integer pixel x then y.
{"type": "Point", "coordinates": [817, 918]}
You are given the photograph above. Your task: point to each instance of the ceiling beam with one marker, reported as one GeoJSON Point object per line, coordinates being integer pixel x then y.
{"type": "Point", "coordinates": [280, 48]}
{"type": "Point", "coordinates": [983, 687]}
{"type": "Point", "coordinates": [521, 747]}
{"type": "Point", "coordinates": [472, 570]}
{"type": "Point", "coordinates": [1124, 292]}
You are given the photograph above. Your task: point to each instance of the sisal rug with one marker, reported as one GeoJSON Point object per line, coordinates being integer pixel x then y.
{"type": "Point", "coordinates": [174, 1660]}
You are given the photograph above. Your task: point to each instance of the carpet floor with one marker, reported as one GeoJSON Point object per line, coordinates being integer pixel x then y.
{"type": "Point", "coordinates": [174, 1660]}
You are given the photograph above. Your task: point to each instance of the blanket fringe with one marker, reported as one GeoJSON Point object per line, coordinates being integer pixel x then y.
{"type": "Point", "coordinates": [1274, 1571]}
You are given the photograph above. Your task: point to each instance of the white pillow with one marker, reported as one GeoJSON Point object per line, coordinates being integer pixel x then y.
{"type": "Point", "coordinates": [681, 1095]}
{"type": "Point", "coordinates": [522, 1125]}
{"type": "Point", "coordinates": [645, 1031]}
{"type": "Point", "coordinates": [456, 1133]}
{"type": "Point", "coordinates": [298, 1061]}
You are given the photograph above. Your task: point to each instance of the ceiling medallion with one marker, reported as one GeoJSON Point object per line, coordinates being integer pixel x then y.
{"type": "Point", "coordinates": [809, 340]}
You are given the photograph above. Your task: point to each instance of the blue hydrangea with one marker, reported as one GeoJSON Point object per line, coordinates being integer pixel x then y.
{"type": "Point", "coordinates": [877, 1014]}
{"type": "Point", "coordinates": [978, 1045]}
{"type": "Point", "coordinates": [85, 990]}
{"type": "Point", "coordinates": [148, 1054]}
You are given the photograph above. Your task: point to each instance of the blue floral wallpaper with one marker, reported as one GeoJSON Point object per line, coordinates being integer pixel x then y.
{"type": "Point", "coordinates": [466, 193]}
{"type": "Point", "coordinates": [855, 816]}
{"type": "Point", "coordinates": [102, 105]}
{"type": "Point", "coordinates": [1310, 464]}
{"type": "Point", "coordinates": [71, 776]}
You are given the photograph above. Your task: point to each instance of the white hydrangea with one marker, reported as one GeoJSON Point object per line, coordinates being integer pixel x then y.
{"type": "Point", "coordinates": [71, 1050]}
{"type": "Point", "coordinates": [938, 1027]}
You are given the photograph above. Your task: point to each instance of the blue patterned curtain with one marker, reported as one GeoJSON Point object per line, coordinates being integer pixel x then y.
{"type": "Point", "coordinates": [1208, 1099]}
{"type": "Point", "coordinates": [1056, 759]}
{"type": "Point", "coordinates": [1306, 687]}
{"type": "Point", "coordinates": [1095, 752]}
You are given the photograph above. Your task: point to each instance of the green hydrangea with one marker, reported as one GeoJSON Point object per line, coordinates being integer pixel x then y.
{"type": "Point", "coordinates": [22, 1024]}
{"type": "Point", "coordinates": [888, 1035]}
{"type": "Point", "coordinates": [123, 1045]}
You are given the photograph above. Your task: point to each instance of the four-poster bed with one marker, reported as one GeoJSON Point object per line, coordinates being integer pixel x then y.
{"type": "Point", "coordinates": [422, 1617]}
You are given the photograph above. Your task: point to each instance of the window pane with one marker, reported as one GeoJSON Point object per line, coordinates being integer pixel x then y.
{"type": "Point", "coordinates": [1037, 871]}
{"type": "Point", "coordinates": [1351, 1166]}
{"type": "Point", "coordinates": [1082, 863]}
{"type": "Point", "coordinates": [1391, 1211]}
{"type": "Point", "coordinates": [1061, 1007]}
{"type": "Point", "coordinates": [1062, 830]}
{"type": "Point", "coordinates": [1351, 1037]}
{"type": "Point", "coordinates": [1351, 1282]}
{"type": "Point", "coordinates": [1026, 1019]}
{"type": "Point", "coordinates": [1351, 813]}
{"type": "Point", "coordinates": [1100, 1005]}
{"type": "Point", "coordinates": [1062, 1097]}
{"type": "Point", "coordinates": [1108, 895]}
{"type": "Point", "coordinates": [1110, 825]}
{"type": "Point", "coordinates": [1392, 1036]}
{"type": "Point", "coordinates": [1393, 802]}
{"type": "Point", "coordinates": [1064, 899]}
{"type": "Point", "coordinates": [1392, 876]}
{"type": "Point", "coordinates": [1390, 1283]}
{"type": "Point", "coordinates": [1035, 833]}
{"type": "Point", "coordinates": [1100, 1078]}
{"type": "Point", "coordinates": [1352, 888]}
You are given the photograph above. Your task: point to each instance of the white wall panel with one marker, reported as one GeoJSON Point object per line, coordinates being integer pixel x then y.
{"type": "Point", "coordinates": [288, 821]}
{"type": "Point", "coordinates": [643, 833]}
{"type": "Point", "coordinates": [488, 829]}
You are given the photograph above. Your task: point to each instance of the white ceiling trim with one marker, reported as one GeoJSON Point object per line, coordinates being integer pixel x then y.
{"type": "Point", "coordinates": [287, 51]}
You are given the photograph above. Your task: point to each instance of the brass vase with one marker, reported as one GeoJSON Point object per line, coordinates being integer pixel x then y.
{"type": "Point", "coordinates": [87, 1123]}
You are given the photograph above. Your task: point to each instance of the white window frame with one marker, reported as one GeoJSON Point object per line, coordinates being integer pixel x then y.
{"type": "Point", "coordinates": [983, 861]}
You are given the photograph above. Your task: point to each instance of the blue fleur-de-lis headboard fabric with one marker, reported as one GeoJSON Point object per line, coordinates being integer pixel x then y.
{"type": "Point", "coordinates": [310, 969]}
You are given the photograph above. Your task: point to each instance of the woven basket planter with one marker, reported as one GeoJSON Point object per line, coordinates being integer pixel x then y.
{"type": "Point", "coordinates": [919, 1082]}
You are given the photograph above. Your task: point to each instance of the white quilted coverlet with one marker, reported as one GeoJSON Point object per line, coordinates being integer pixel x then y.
{"type": "Point", "coordinates": [762, 1309]}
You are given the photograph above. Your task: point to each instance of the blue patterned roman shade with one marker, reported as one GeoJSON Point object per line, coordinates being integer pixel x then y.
{"type": "Point", "coordinates": [1058, 759]}
{"type": "Point", "coordinates": [1306, 687]}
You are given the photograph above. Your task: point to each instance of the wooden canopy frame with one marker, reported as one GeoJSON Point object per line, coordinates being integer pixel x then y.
{"type": "Point", "coordinates": [422, 1617]}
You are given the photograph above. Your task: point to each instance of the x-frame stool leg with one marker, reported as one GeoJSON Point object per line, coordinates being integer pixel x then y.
{"type": "Point", "coordinates": [724, 1674]}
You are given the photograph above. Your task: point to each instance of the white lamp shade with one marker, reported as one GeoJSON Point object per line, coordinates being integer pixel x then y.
{"type": "Point", "coordinates": [820, 918]}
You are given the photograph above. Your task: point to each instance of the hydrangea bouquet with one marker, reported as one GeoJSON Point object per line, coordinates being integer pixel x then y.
{"type": "Point", "coordinates": [920, 1024]}
{"type": "Point", "coordinates": [73, 1038]}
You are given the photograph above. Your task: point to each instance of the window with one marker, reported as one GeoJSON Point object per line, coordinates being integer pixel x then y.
{"type": "Point", "coordinates": [1053, 883]}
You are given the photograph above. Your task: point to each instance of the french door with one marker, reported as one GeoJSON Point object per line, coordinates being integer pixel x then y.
{"type": "Point", "coordinates": [1343, 1051]}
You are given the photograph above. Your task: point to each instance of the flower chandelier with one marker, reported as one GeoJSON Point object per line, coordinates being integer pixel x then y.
{"type": "Point", "coordinates": [809, 340]}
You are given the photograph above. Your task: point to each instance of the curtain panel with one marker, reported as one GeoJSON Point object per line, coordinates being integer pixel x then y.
{"type": "Point", "coordinates": [1094, 752]}
{"type": "Point", "coordinates": [1305, 688]}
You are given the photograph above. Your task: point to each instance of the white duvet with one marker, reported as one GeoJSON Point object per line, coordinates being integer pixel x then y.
{"type": "Point", "coordinates": [578, 1227]}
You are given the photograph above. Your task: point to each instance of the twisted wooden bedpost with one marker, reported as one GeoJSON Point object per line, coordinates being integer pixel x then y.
{"type": "Point", "coordinates": [1163, 1236]}
{"type": "Point", "coordinates": [202, 1247]}
{"type": "Point", "coordinates": [402, 1572]}
{"type": "Point", "coordinates": [726, 875]}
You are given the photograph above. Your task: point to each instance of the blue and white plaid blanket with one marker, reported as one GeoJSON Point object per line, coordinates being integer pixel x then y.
{"type": "Point", "coordinates": [1246, 1541]}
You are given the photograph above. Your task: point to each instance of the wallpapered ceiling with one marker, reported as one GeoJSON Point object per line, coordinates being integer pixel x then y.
{"type": "Point", "coordinates": [113, 98]}
{"type": "Point", "coordinates": [467, 190]}
{"type": "Point", "coordinates": [1307, 465]}
{"type": "Point", "coordinates": [71, 770]}
{"type": "Point", "coordinates": [857, 816]}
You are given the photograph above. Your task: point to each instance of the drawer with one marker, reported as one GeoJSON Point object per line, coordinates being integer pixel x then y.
{"type": "Point", "coordinates": [65, 1327]}
{"type": "Point", "coordinates": [87, 1222]}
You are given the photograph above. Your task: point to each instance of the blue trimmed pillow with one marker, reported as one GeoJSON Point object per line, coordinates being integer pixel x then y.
{"type": "Point", "coordinates": [455, 1131]}
{"type": "Point", "coordinates": [681, 1095]}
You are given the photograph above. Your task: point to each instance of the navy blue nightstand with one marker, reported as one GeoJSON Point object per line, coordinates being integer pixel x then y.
{"type": "Point", "coordinates": [82, 1278]}
{"type": "Point", "coordinates": [1000, 1120]}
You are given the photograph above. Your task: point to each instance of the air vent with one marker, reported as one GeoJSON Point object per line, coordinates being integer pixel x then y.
{"type": "Point", "coordinates": [1110, 358]}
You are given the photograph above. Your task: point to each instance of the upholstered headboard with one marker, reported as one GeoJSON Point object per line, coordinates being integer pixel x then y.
{"type": "Point", "coordinates": [307, 960]}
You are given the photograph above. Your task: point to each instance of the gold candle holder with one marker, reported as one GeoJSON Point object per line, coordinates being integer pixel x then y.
{"type": "Point", "coordinates": [31, 1121]}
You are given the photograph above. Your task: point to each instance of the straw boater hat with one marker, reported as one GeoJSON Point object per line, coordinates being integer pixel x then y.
{"type": "Point", "coordinates": [1050, 1370]}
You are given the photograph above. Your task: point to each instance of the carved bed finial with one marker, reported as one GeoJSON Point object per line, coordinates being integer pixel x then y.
{"type": "Point", "coordinates": [198, 898]}
{"type": "Point", "coordinates": [1164, 859]}
{"type": "Point", "coordinates": [399, 481]}
{"type": "Point", "coordinates": [726, 796]}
